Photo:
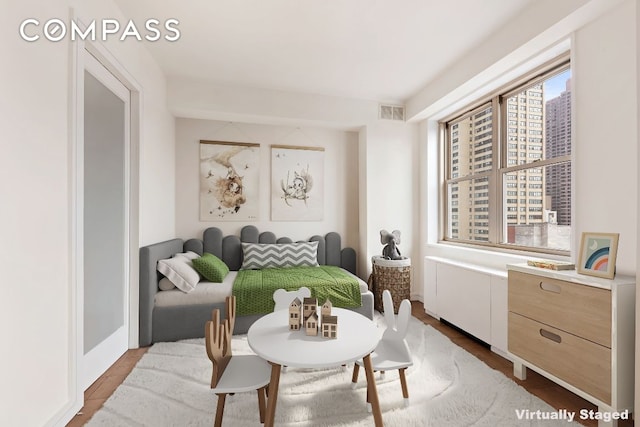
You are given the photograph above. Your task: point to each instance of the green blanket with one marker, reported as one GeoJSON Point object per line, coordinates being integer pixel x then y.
{"type": "Point", "coordinates": [254, 289]}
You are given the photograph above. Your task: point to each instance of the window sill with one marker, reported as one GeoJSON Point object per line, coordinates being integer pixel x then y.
{"type": "Point", "coordinates": [492, 259]}
{"type": "Point", "coordinates": [469, 266]}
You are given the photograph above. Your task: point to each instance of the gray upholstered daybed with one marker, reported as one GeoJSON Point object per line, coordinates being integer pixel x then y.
{"type": "Point", "coordinates": [173, 315]}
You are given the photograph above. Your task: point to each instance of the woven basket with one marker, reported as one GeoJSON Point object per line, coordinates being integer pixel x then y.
{"type": "Point", "coordinates": [392, 275]}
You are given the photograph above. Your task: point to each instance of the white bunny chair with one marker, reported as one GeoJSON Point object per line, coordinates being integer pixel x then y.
{"type": "Point", "coordinates": [283, 298]}
{"type": "Point", "coordinates": [392, 352]}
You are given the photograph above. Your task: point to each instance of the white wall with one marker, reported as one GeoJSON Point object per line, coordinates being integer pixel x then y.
{"type": "Point", "coordinates": [386, 154]}
{"type": "Point", "coordinates": [606, 139]}
{"type": "Point", "coordinates": [376, 168]}
{"type": "Point", "coordinates": [389, 194]}
{"type": "Point", "coordinates": [340, 177]}
{"type": "Point", "coordinates": [34, 167]}
{"type": "Point", "coordinates": [37, 385]}
{"type": "Point", "coordinates": [206, 100]}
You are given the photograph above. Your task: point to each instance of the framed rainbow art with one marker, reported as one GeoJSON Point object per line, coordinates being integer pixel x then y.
{"type": "Point", "coordinates": [597, 255]}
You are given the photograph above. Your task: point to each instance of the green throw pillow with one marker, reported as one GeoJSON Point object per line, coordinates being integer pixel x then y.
{"type": "Point", "coordinates": [211, 267]}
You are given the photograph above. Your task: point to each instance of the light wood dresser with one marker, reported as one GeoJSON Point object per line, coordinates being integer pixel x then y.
{"type": "Point", "coordinates": [576, 330]}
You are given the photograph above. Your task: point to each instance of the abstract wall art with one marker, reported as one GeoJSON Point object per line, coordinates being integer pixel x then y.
{"type": "Point", "coordinates": [297, 183]}
{"type": "Point", "coordinates": [229, 177]}
{"type": "Point", "coordinates": [597, 255]}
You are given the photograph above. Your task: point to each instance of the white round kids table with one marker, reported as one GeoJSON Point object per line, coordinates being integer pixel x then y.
{"type": "Point", "coordinates": [357, 336]}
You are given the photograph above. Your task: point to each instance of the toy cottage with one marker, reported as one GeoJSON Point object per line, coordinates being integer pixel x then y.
{"type": "Point", "coordinates": [326, 308]}
{"type": "Point", "coordinates": [329, 326]}
{"type": "Point", "coordinates": [295, 314]}
{"type": "Point", "coordinates": [311, 324]}
{"type": "Point", "coordinates": [310, 306]}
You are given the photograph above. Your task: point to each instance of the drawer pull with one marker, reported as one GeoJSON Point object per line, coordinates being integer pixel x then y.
{"type": "Point", "coordinates": [550, 287]}
{"type": "Point", "coordinates": [551, 336]}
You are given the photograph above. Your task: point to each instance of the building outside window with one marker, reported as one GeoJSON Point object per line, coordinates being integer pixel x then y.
{"type": "Point", "coordinates": [488, 153]}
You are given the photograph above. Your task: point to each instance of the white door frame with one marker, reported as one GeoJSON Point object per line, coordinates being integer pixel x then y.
{"type": "Point", "coordinates": [97, 360]}
{"type": "Point", "coordinates": [76, 154]}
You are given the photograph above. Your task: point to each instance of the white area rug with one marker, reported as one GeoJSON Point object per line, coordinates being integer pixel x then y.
{"type": "Point", "coordinates": [447, 387]}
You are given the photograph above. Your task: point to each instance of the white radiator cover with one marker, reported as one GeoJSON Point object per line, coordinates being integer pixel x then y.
{"type": "Point", "coordinates": [471, 297]}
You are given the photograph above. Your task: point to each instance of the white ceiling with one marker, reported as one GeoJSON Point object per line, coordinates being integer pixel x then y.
{"type": "Point", "coordinates": [383, 50]}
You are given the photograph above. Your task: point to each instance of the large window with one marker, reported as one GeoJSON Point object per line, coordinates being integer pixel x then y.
{"type": "Point", "coordinates": [508, 166]}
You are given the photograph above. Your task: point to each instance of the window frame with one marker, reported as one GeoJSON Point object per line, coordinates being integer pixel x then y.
{"type": "Point", "coordinates": [500, 147]}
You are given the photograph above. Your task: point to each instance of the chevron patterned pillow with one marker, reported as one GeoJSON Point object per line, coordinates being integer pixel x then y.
{"type": "Point", "coordinates": [260, 255]}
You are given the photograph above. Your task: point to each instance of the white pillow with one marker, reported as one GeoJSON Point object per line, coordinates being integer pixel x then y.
{"type": "Point", "coordinates": [180, 272]}
{"type": "Point", "coordinates": [279, 255]}
{"type": "Point", "coordinates": [190, 255]}
{"type": "Point", "coordinates": [165, 284]}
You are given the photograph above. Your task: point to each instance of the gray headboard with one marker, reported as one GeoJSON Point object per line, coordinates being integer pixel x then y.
{"type": "Point", "coordinates": [229, 248]}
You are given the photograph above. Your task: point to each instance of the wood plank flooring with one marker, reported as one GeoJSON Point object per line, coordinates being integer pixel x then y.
{"type": "Point", "coordinates": [104, 386]}
{"type": "Point", "coordinates": [536, 384]}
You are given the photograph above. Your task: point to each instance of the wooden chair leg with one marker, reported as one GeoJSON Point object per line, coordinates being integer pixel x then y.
{"type": "Point", "coordinates": [368, 397]}
{"type": "Point", "coordinates": [403, 382]}
{"type": "Point", "coordinates": [356, 370]}
{"type": "Point", "coordinates": [373, 392]}
{"type": "Point", "coordinates": [273, 394]}
{"type": "Point", "coordinates": [220, 410]}
{"type": "Point", "coordinates": [262, 403]}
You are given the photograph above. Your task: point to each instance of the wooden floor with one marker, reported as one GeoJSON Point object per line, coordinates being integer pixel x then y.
{"type": "Point", "coordinates": [104, 386]}
{"type": "Point", "coordinates": [546, 390]}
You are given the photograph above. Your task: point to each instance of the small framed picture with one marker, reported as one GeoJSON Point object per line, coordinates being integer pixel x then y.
{"type": "Point", "coordinates": [597, 255]}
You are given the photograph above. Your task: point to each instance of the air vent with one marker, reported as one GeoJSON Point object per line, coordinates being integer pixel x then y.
{"type": "Point", "coordinates": [391, 112]}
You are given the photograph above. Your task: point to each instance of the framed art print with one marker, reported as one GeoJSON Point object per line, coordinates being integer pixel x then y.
{"type": "Point", "coordinates": [229, 177]}
{"type": "Point", "coordinates": [597, 255]}
{"type": "Point", "coordinates": [297, 183]}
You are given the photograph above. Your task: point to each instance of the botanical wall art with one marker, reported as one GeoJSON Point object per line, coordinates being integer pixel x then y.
{"type": "Point", "coordinates": [297, 183]}
{"type": "Point", "coordinates": [229, 177]}
{"type": "Point", "coordinates": [597, 255]}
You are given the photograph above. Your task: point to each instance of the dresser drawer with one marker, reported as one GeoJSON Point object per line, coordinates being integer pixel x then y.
{"type": "Point", "coordinates": [584, 311]}
{"type": "Point", "coordinates": [579, 362]}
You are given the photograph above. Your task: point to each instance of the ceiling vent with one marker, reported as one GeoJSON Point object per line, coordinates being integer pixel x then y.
{"type": "Point", "coordinates": [391, 112]}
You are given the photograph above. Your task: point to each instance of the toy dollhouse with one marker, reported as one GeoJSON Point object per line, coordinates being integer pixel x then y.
{"type": "Point", "coordinates": [326, 308]}
{"type": "Point", "coordinates": [295, 314]}
{"type": "Point", "coordinates": [305, 314]}
{"type": "Point", "coordinates": [311, 324]}
{"type": "Point", "coordinates": [310, 305]}
{"type": "Point", "coordinates": [329, 326]}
